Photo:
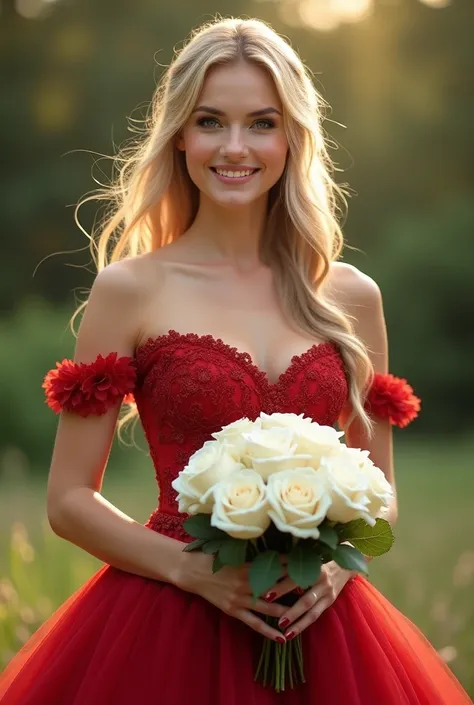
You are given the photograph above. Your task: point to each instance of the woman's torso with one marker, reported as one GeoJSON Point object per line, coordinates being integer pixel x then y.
{"type": "Point", "coordinates": [189, 296]}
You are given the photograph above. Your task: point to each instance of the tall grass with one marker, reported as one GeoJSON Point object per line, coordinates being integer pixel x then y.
{"type": "Point", "coordinates": [428, 575]}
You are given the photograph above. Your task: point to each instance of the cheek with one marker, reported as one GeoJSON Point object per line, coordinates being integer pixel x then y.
{"type": "Point", "coordinates": [199, 148]}
{"type": "Point", "coordinates": [273, 154]}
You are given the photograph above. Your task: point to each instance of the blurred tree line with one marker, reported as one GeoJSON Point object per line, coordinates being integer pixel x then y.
{"type": "Point", "coordinates": [399, 80]}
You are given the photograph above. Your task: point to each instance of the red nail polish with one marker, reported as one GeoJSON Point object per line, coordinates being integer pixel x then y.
{"type": "Point", "coordinates": [280, 640]}
{"type": "Point", "coordinates": [283, 622]}
{"type": "Point", "coordinates": [270, 596]}
{"type": "Point", "coordinates": [289, 636]}
{"type": "Point", "coordinates": [299, 591]}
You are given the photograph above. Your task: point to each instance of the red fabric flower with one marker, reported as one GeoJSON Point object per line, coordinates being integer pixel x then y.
{"type": "Point", "coordinates": [392, 398]}
{"type": "Point", "coordinates": [89, 387]}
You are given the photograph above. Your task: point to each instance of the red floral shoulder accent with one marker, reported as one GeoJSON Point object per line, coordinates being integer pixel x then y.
{"type": "Point", "coordinates": [392, 398]}
{"type": "Point", "coordinates": [90, 387]}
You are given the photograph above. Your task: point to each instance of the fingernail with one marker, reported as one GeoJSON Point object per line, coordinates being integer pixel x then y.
{"type": "Point", "coordinates": [289, 635]}
{"type": "Point", "coordinates": [299, 591]}
{"type": "Point", "coordinates": [280, 640]}
{"type": "Point", "coordinates": [283, 622]}
{"type": "Point", "coordinates": [270, 596]}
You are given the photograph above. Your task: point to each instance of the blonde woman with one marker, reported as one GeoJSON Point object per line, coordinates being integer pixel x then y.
{"type": "Point", "coordinates": [219, 294]}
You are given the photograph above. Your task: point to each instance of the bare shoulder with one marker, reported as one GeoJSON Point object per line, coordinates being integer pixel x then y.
{"type": "Point", "coordinates": [360, 297]}
{"type": "Point", "coordinates": [351, 286]}
{"type": "Point", "coordinates": [118, 279]}
{"type": "Point", "coordinates": [112, 319]}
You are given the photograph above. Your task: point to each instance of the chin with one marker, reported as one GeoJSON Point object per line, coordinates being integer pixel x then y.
{"type": "Point", "coordinates": [233, 200]}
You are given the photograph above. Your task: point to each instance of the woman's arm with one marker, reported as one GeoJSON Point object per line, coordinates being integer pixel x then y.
{"type": "Point", "coordinates": [76, 509]}
{"type": "Point", "coordinates": [361, 298]}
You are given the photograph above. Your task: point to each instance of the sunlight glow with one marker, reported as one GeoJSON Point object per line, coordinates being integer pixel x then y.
{"type": "Point", "coordinates": [327, 15]}
{"type": "Point", "coordinates": [436, 3]}
{"type": "Point", "coordinates": [29, 9]}
{"type": "Point", "coordinates": [319, 14]}
{"type": "Point", "coordinates": [353, 10]}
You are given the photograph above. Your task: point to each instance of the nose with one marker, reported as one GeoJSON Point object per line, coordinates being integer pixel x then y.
{"type": "Point", "coordinates": [234, 146]}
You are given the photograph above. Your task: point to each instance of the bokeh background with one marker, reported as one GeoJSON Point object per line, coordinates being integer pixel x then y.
{"type": "Point", "coordinates": [76, 79]}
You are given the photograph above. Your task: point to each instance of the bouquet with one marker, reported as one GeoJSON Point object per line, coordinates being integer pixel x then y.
{"type": "Point", "coordinates": [284, 484]}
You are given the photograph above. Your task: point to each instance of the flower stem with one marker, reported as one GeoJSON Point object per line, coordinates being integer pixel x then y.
{"type": "Point", "coordinates": [277, 667]}
{"type": "Point", "coordinates": [266, 660]}
{"type": "Point", "coordinates": [284, 650]}
{"type": "Point", "coordinates": [280, 665]}
{"type": "Point", "coordinates": [299, 657]}
{"type": "Point", "coordinates": [260, 663]}
{"type": "Point", "coordinates": [290, 663]}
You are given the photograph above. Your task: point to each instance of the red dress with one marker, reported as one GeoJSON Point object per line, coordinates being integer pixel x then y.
{"type": "Point", "coordinates": [126, 640]}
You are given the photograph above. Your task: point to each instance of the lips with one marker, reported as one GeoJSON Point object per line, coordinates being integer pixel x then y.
{"type": "Point", "coordinates": [232, 171]}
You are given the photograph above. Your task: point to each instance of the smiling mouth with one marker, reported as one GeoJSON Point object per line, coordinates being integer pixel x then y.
{"type": "Point", "coordinates": [229, 175]}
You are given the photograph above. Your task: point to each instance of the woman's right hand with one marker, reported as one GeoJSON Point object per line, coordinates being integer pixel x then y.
{"type": "Point", "coordinates": [229, 590]}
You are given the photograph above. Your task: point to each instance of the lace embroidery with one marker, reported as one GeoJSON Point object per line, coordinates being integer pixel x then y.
{"type": "Point", "coordinates": [190, 386]}
{"type": "Point", "coordinates": [169, 524]}
{"type": "Point", "coordinates": [209, 342]}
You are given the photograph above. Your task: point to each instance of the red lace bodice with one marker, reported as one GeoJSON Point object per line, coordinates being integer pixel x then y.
{"type": "Point", "coordinates": [187, 386]}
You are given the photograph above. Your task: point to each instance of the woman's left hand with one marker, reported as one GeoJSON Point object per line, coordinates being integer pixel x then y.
{"type": "Point", "coordinates": [313, 602]}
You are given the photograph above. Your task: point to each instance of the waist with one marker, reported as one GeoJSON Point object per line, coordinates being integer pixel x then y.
{"type": "Point", "coordinates": [169, 524]}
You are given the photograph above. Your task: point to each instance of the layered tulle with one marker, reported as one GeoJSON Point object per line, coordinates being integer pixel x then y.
{"type": "Point", "coordinates": [126, 640]}
{"type": "Point", "coordinates": [123, 639]}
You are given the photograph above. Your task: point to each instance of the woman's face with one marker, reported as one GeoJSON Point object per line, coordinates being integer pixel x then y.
{"type": "Point", "coordinates": [223, 134]}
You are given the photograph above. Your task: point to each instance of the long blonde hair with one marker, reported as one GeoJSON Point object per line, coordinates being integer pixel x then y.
{"type": "Point", "coordinates": [155, 201]}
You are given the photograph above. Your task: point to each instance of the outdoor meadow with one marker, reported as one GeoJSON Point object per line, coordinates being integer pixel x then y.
{"type": "Point", "coordinates": [77, 77]}
{"type": "Point", "coordinates": [428, 575]}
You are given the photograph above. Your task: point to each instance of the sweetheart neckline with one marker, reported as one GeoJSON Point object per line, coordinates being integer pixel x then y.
{"type": "Point", "coordinates": [315, 351]}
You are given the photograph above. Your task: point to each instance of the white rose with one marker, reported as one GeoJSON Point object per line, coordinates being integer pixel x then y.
{"type": "Point", "coordinates": [294, 421]}
{"type": "Point", "coordinates": [271, 450]}
{"type": "Point", "coordinates": [299, 501]}
{"type": "Point", "coordinates": [319, 441]}
{"type": "Point", "coordinates": [310, 436]}
{"type": "Point", "coordinates": [233, 435]}
{"type": "Point", "coordinates": [241, 507]}
{"type": "Point", "coordinates": [380, 491]}
{"type": "Point", "coordinates": [206, 467]}
{"type": "Point", "coordinates": [348, 487]}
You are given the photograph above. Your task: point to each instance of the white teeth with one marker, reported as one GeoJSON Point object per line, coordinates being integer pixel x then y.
{"type": "Point", "coordinates": [235, 174]}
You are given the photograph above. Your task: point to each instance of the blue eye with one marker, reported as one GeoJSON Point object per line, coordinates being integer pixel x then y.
{"type": "Point", "coordinates": [202, 122]}
{"type": "Point", "coordinates": [269, 123]}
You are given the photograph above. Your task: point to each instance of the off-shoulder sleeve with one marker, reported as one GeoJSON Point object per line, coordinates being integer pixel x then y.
{"type": "Point", "coordinates": [92, 387]}
{"type": "Point", "coordinates": [392, 398]}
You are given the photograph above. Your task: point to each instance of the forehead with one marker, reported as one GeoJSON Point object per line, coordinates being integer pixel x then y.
{"type": "Point", "coordinates": [243, 84]}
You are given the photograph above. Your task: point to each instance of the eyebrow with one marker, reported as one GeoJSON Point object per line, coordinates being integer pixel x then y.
{"type": "Point", "coordinates": [255, 113]}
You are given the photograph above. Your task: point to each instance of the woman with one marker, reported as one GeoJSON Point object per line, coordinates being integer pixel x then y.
{"type": "Point", "coordinates": [223, 297]}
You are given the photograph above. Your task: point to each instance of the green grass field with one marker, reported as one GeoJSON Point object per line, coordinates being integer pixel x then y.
{"type": "Point", "coordinates": [428, 575]}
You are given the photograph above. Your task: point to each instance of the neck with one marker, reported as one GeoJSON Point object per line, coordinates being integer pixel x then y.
{"type": "Point", "coordinates": [227, 234]}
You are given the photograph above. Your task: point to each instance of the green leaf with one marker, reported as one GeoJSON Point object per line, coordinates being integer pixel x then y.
{"type": "Point", "coordinates": [304, 565]}
{"type": "Point", "coordinates": [233, 552]}
{"type": "Point", "coordinates": [350, 559]}
{"type": "Point", "coordinates": [265, 570]}
{"type": "Point", "coordinates": [325, 552]}
{"type": "Point", "coordinates": [194, 545]}
{"type": "Point", "coordinates": [328, 535]}
{"type": "Point", "coordinates": [200, 527]}
{"type": "Point", "coordinates": [370, 540]}
{"type": "Point", "coordinates": [212, 546]}
{"type": "Point", "coordinates": [217, 564]}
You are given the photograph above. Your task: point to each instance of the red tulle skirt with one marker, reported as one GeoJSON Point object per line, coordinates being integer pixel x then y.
{"type": "Point", "coordinates": [126, 640]}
